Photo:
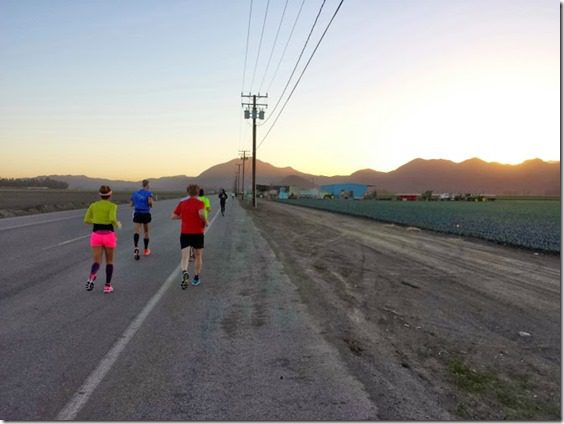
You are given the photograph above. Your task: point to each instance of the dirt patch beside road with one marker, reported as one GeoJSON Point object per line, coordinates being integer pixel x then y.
{"type": "Point", "coordinates": [427, 322]}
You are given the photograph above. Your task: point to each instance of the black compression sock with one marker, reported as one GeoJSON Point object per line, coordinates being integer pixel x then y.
{"type": "Point", "coordinates": [135, 239]}
{"type": "Point", "coordinates": [94, 269]}
{"type": "Point", "coordinates": [109, 272]}
{"type": "Point", "coordinates": [146, 241]}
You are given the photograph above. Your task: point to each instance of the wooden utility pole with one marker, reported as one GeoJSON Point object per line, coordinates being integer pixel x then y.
{"type": "Point", "coordinates": [254, 114]}
{"type": "Point", "coordinates": [243, 158]}
{"type": "Point", "coordinates": [237, 179]}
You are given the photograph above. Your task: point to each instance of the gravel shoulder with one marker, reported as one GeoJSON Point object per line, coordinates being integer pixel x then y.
{"type": "Point", "coordinates": [432, 325]}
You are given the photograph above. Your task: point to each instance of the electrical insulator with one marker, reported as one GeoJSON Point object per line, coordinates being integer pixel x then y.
{"type": "Point", "coordinates": [261, 114]}
{"type": "Point", "coordinates": [247, 114]}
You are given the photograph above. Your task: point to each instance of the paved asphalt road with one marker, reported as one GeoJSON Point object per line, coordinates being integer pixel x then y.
{"type": "Point", "coordinates": [240, 346]}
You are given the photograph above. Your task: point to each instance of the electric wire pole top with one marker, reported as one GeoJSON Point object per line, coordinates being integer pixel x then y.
{"type": "Point", "coordinates": [252, 112]}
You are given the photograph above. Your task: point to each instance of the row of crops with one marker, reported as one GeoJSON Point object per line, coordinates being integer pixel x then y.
{"type": "Point", "coordinates": [533, 224]}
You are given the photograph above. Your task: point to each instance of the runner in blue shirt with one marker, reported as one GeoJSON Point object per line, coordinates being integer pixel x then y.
{"type": "Point", "coordinates": [142, 200]}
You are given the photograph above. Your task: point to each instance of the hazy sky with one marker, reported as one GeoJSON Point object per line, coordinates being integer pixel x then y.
{"type": "Point", "coordinates": [137, 88]}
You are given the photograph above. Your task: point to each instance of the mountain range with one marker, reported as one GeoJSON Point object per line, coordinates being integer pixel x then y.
{"type": "Point", "coordinates": [532, 177]}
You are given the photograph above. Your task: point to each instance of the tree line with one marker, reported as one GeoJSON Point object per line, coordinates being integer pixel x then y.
{"type": "Point", "coordinates": [33, 182]}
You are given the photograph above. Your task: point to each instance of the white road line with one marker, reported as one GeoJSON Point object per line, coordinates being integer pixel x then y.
{"type": "Point", "coordinates": [66, 242]}
{"type": "Point", "coordinates": [71, 409]}
{"type": "Point", "coordinates": [211, 222]}
{"type": "Point", "coordinates": [79, 399]}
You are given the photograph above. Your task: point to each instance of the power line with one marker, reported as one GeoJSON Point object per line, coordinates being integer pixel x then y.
{"type": "Point", "coordinates": [285, 47]}
{"type": "Point", "coordinates": [273, 46]}
{"type": "Point", "coordinates": [245, 64]}
{"type": "Point", "coordinates": [247, 48]}
{"type": "Point", "coordinates": [260, 43]}
{"type": "Point", "coordinates": [246, 132]}
{"type": "Point", "coordinates": [240, 132]}
{"type": "Point", "coordinates": [297, 62]}
{"type": "Point", "coordinates": [300, 77]}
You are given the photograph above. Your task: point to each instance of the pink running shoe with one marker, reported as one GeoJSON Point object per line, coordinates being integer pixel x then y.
{"type": "Point", "coordinates": [108, 288]}
{"type": "Point", "coordinates": [146, 252]}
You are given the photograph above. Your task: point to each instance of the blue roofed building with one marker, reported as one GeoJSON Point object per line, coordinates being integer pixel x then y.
{"type": "Point", "coordinates": [343, 190]}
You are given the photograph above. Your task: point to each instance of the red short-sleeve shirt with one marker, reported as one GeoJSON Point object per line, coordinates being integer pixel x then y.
{"type": "Point", "coordinates": [188, 210]}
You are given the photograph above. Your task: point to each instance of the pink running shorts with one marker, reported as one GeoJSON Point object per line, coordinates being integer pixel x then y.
{"type": "Point", "coordinates": [103, 239]}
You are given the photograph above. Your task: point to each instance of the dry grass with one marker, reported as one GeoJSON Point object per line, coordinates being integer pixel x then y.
{"type": "Point", "coordinates": [15, 202]}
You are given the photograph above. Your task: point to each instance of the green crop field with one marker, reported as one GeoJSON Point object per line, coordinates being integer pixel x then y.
{"type": "Point", "coordinates": [533, 224]}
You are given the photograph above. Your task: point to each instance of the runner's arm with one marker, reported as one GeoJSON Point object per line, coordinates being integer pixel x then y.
{"type": "Point", "coordinates": [88, 216]}
{"type": "Point", "coordinates": [113, 217]}
{"type": "Point", "coordinates": [202, 213]}
{"type": "Point", "coordinates": [175, 213]}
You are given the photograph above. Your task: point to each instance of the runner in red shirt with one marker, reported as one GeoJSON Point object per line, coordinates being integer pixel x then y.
{"type": "Point", "coordinates": [191, 211]}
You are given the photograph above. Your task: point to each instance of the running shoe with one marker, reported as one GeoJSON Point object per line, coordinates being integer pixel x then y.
{"type": "Point", "coordinates": [185, 279]}
{"type": "Point", "coordinates": [108, 288]}
{"type": "Point", "coordinates": [146, 252]}
{"type": "Point", "coordinates": [136, 254]}
{"type": "Point", "coordinates": [196, 281]}
{"type": "Point", "coordinates": [90, 284]}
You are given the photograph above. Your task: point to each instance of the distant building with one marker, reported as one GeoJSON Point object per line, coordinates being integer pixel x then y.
{"type": "Point", "coordinates": [294, 192]}
{"type": "Point", "coordinates": [407, 196]}
{"type": "Point", "coordinates": [270, 191]}
{"type": "Point", "coordinates": [312, 193]}
{"type": "Point", "coordinates": [357, 191]}
{"type": "Point", "coordinates": [283, 193]}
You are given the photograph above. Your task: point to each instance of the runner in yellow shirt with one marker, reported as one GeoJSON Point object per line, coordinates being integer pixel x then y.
{"type": "Point", "coordinates": [102, 215]}
{"type": "Point", "coordinates": [207, 209]}
{"type": "Point", "coordinates": [206, 201]}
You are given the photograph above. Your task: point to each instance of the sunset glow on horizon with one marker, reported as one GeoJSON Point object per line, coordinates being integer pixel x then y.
{"type": "Point", "coordinates": [146, 88]}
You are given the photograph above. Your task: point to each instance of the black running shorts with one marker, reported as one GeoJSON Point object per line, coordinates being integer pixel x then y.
{"type": "Point", "coordinates": [141, 218]}
{"type": "Point", "coordinates": [194, 240]}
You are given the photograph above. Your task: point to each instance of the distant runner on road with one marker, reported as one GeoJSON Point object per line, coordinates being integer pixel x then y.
{"type": "Point", "coordinates": [222, 199]}
{"type": "Point", "coordinates": [191, 211]}
{"type": "Point", "coordinates": [103, 217]}
{"type": "Point", "coordinates": [142, 200]}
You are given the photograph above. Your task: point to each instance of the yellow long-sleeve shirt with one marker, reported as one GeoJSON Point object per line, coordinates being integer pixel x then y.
{"type": "Point", "coordinates": [102, 212]}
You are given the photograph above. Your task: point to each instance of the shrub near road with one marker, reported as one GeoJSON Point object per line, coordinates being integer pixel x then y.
{"type": "Point", "coordinates": [14, 202]}
{"type": "Point", "coordinates": [533, 224]}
